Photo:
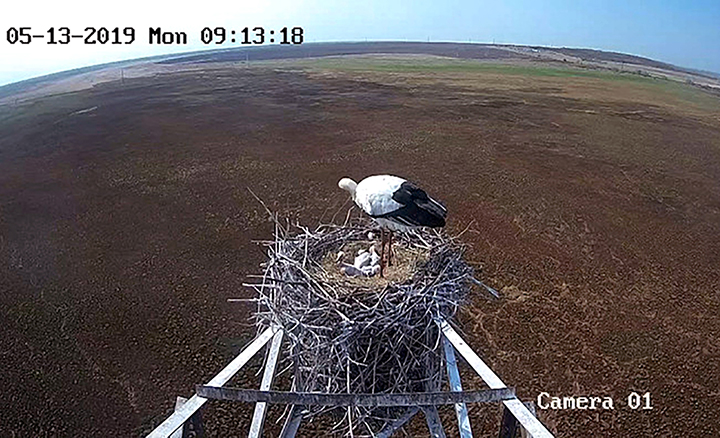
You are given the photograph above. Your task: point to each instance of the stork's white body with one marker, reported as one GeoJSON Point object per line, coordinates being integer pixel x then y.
{"type": "Point", "coordinates": [394, 203]}
{"type": "Point", "coordinates": [374, 195]}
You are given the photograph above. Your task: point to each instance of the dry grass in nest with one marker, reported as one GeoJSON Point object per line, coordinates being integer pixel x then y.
{"type": "Point", "coordinates": [361, 335]}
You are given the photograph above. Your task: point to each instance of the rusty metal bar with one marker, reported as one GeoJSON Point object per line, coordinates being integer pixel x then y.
{"type": "Point", "coordinates": [368, 400]}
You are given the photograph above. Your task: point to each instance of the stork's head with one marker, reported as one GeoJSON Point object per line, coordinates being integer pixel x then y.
{"type": "Point", "coordinates": [349, 185]}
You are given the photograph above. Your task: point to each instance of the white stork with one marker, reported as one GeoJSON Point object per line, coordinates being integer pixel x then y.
{"type": "Point", "coordinates": [395, 204]}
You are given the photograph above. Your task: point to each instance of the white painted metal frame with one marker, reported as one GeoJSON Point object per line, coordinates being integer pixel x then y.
{"type": "Point", "coordinates": [529, 421]}
{"type": "Point", "coordinates": [268, 374]}
{"type": "Point", "coordinates": [180, 416]}
{"type": "Point", "coordinates": [450, 339]}
{"type": "Point", "coordinates": [178, 404]}
{"type": "Point", "coordinates": [433, 421]}
{"type": "Point", "coordinates": [292, 422]}
{"type": "Point", "coordinates": [456, 385]}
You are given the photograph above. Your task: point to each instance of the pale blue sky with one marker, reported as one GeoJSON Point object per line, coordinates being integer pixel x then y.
{"type": "Point", "coordinates": [685, 33]}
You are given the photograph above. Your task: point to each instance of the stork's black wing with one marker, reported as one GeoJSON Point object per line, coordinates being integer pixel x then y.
{"type": "Point", "coordinates": [418, 208]}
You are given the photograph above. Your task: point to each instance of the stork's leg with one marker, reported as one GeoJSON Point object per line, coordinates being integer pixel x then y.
{"type": "Point", "coordinates": [390, 249]}
{"type": "Point", "coordinates": [382, 252]}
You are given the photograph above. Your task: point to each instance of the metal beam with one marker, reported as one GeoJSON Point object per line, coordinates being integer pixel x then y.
{"type": "Point", "coordinates": [292, 422]}
{"type": "Point", "coordinates": [260, 408]}
{"type": "Point", "coordinates": [508, 425]}
{"type": "Point", "coordinates": [456, 385]}
{"type": "Point", "coordinates": [178, 404]}
{"type": "Point", "coordinates": [433, 422]}
{"type": "Point", "coordinates": [531, 407]}
{"type": "Point", "coordinates": [180, 416]}
{"type": "Point", "coordinates": [368, 400]}
{"type": "Point", "coordinates": [523, 415]}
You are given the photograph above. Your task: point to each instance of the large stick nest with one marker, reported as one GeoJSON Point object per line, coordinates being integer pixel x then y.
{"type": "Point", "coordinates": [366, 335]}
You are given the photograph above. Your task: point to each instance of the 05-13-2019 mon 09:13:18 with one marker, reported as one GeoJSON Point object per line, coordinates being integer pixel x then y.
{"type": "Point", "coordinates": [156, 36]}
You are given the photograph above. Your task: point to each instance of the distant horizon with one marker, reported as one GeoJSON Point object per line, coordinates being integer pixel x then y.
{"type": "Point", "coordinates": [677, 32]}
{"type": "Point", "coordinates": [368, 41]}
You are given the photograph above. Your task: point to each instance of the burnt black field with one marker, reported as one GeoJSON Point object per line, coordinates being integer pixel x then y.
{"type": "Point", "coordinates": [592, 202]}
